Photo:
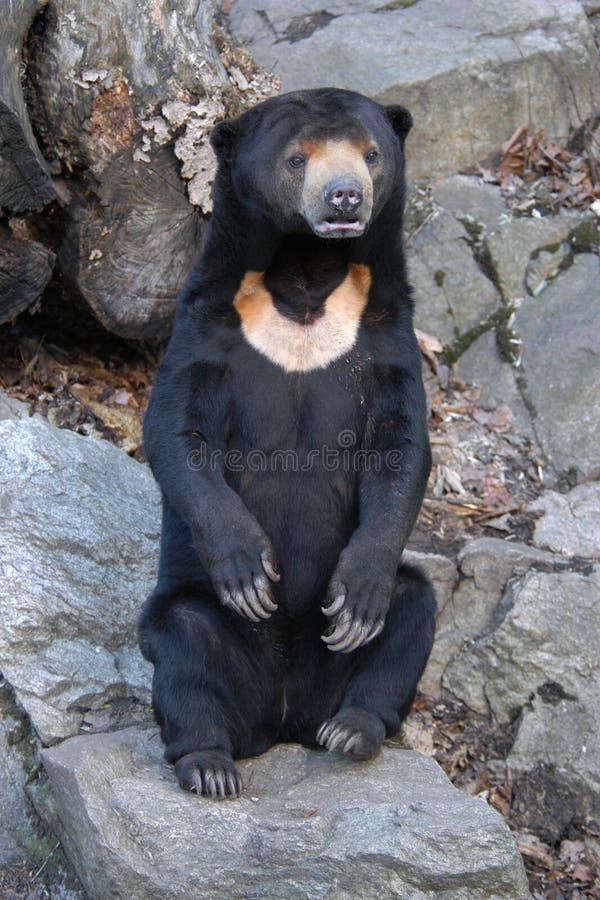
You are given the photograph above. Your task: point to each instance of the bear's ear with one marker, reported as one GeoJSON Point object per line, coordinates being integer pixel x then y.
{"type": "Point", "coordinates": [222, 138]}
{"type": "Point", "coordinates": [400, 119]}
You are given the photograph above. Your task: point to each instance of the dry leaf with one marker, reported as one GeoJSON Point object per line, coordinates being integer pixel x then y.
{"type": "Point", "coordinates": [500, 418]}
{"type": "Point", "coordinates": [582, 874]}
{"type": "Point", "coordinates": [534, 849]}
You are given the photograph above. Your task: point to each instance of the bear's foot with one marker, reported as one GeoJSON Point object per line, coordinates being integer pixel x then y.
{"type": "Point", "coordinates": [353, 731]}
{"type": "Point", "coordinates": [209, 772]}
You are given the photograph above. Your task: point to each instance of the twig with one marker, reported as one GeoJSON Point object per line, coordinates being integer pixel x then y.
{"type": "Point", "coordinates": [45, 863]}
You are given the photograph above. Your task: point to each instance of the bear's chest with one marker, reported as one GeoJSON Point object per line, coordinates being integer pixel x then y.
{"type": "Point", "coordinates": [294, 344]}
{"type": "Point", "coordinates": [274, 409]}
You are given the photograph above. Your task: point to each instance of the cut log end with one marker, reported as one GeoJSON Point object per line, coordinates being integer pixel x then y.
{"type": "Point", "coordinates": [25, 270]}
{"type": "Point", "coordinates": [136, 246]}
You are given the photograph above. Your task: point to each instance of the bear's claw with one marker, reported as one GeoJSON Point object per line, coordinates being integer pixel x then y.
{"type": "Point", "coordinates": [354, 732]}
{"type": "Point", "coordinates": [349, 633]}
{"type": "Point", "coordinates": [209, 773]}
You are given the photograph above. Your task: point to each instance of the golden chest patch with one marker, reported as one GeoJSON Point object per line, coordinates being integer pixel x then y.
{"type": "Point", "coordinates": [294, 346]}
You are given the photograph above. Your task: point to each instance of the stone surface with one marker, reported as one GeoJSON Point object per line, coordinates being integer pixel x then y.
{"type": "Point", "coordinates": [560, 331]}
{"type": "Point", "coordinates": [548, 612]}
{"type": "Point", "coordinates": [486, 566]}
{"type": "Point", "coordinates": [451, 292]}
{"type": "Point", "coordinates": [15, 748]}
{"type": "Point", "coordinates": [76, 561]}
{"type": "Point", "coordinates": [562, 734]}
{"type": "Point", "coordinates": [570, 523]}
{"type": "Point", "coordinates": [539, 669]}
{"type": "Point", "coordinates": [515, 241]}
{"type": "Point", "coordinates": [470, 72]}
{"type": "Point", "coordinates": [481, 364]}
{"type": "Point", "coordinates": [439, 569]}
{"type": "Point", "coordinates": [11, 408]}
{"type": "Point", "coordinates": [309, 825]}
{"type": "Point", "coordinates": [469, 197]}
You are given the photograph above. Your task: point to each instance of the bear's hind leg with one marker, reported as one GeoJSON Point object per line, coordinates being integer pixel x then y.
{"type": "Point", "coordinates": [213, 695]}
{"type": "Point", "coordinates": [384, 673]}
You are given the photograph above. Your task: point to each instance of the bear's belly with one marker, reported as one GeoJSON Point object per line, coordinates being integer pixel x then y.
{"type": "Point", "coordinates": [293, 440]}
{"type": "Point", "coordinates": [309, 516]}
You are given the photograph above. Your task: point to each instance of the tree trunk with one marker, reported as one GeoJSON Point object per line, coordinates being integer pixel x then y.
{"type": "Point", "coordinates": [25, 270]}
{"type": "Point", "coordinates": [120, 90]}
{"type": "Point", "coordinates": [25, 182]}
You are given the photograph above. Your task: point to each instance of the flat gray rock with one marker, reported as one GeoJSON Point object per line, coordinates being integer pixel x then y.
{"type": "Point", "coordinates": [79, 528]}
{"type": "Point", "coordinates": [309, 825]}
{"type": "Point", "coordinates": [561, 731]}
{"type": "Point", "coordinates": [500, 672]}
{"type": "Point", "coordinates": [452, 294]}
{"type": "Point", "coordinates": [570, 524]}
{"type": "Point", "coordinates": [465, 70]}
{"type": "Point", "coordinates": [560, 331]}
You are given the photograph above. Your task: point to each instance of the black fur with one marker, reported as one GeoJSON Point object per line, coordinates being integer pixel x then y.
{"type": "Point", "coordinates": [225, 686]}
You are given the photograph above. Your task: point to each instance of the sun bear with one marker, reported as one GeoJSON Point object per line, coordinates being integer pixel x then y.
{"type": "Point", "coordinates": [287, 431]}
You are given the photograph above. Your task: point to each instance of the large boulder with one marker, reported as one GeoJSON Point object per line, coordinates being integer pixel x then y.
{"type": "Point", "coordinates": [560, 331]}
{"type": "Point", "coordinates": [470, 72]}
{"type": "Point", "coordinates": [486, 565]}
{"type": "Point", "coordinates": [309, 825]}
{"type": "Point", "coordinates": [79, 526]}
{"type": "Point", "coordinates": [534, 667]}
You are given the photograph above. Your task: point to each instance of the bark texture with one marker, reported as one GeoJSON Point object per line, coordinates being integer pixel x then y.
{"type": "Point", "coordinates": [122, 97]}
{"type": "Point", "coordinates": [25, 270]}
{"type": "Point", "coordinates": [25, 182]}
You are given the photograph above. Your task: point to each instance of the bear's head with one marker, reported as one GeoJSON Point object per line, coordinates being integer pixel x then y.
{"type": "Point", "coordinates": [324, 160]}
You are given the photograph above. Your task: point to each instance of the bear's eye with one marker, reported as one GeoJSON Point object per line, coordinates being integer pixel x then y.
{"type": "Point", "coordinates": [372, 156]}
{"type": "Point", "coordinates": [297, 161]}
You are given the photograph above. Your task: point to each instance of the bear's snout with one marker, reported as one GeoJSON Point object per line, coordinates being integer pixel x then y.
{"type": "Point", "coordinates": [344, 194]}
{"type": "Point", "coordinates": [337, 194]}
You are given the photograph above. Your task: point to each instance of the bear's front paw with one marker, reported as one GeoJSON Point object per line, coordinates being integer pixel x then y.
{"type": "Point", "coordinates": [209, 772]}
{"type": "Point", "coordinates": [242, 579]}
{"type": "Point", "coordinates": [358, 601]}
{"type": "Point", "coordinates": [353, 731]}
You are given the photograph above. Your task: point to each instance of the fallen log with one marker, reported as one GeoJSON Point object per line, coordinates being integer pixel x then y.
{"type": "Point", "coordinates": [25, 270]}
{"type": "Point", "coordinates": [25, 182]}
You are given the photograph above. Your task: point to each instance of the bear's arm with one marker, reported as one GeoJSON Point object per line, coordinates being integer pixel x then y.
{"type": "Point", "coordinates": [184, 440]}
{"type": "Point", "coordinates": [394, 467]}
{"type": "Point", "coordinates": [393, 473]}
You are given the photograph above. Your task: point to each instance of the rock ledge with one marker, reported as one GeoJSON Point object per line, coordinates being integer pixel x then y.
{"type": "Point", "coordinates": [310, 825]}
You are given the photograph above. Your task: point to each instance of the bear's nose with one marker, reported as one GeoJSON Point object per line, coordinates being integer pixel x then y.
{"type": "Point", "coordinates": [344, 194]}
